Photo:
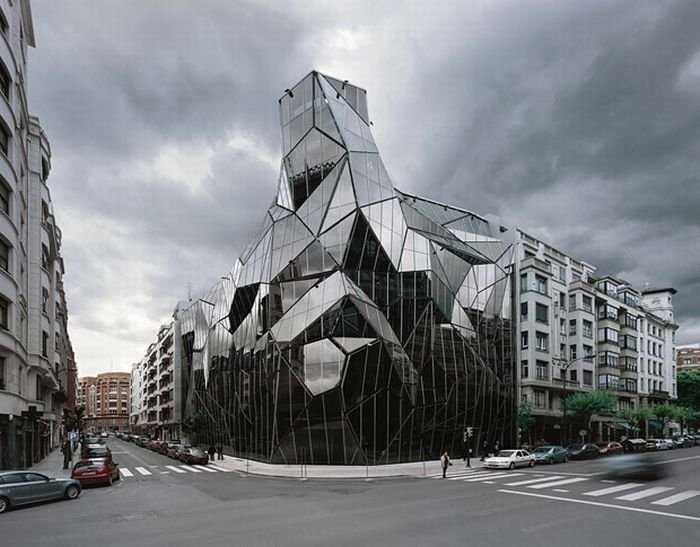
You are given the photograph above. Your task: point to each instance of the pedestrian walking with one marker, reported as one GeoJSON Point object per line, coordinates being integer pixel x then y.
{"type": "Point", "coordinates": [67, 451]}
{"type": "Point", "coordinates": [445, 463]}
{"type": "Point", "coordinates": [484, 450]}
{"type": "Point", "coordinates": [212, 452]}
{"type": "Point", "coordinates": [220, 451]}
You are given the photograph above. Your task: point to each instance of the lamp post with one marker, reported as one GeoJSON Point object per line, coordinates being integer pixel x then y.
{"type": "Point", "coordinates": [565, 368]}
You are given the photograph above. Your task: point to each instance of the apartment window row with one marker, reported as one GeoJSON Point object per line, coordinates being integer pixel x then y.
{"type": "Point", "coordinates": [539, 284]}
{"type": "Point", "coordinates": [607, 335]}
{"type": "Point", "coordinates": [606, 311]}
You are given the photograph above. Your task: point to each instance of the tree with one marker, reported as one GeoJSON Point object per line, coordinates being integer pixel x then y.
{"type": "Point", "coordinates": [665, 413]}
{"type": "Point", "coordinates": [73, 418]}
{"type": "Point", "coordinates": [525, 419]}
{"type": "Point", "coordinates": [194, 426]}
{"type": "Point", "coordinates": [688, 385]}
{"type": "Point", "coordinates": [584, 406]}
{"type": "Point", "coordinates": [637, 417]}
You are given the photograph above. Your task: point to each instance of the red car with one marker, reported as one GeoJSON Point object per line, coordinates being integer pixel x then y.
{"type": "Point", "coordinates": [193, 455]}
{"type": "Point", "coordinates": [95, 471]}
{"type": "Point", "coordinates": [609, 449]}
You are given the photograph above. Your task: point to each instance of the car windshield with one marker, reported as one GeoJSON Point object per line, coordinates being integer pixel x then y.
{"type": "Point", "coordinates": [89, 463]}
{"type": "Point", "coordinates": [506, 453]}
{"type": "Point", "coordinates": [542, 449]}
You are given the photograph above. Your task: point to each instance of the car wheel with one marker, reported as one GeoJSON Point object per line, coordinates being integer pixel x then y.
{"type": "Point", "coordinates": [566, 459]}
{"type": "Point", "coordinates": [550, 461]}
{"type": "Point", "coordinates": [72, 492]}
{"type": "Point", "coordinates": [512, 465]}
{"type": "Point", "coordinates": [118, 477]}
{"type": "Point", "coordinates": [4, 504]}
{"type": "Point", "coordinates": [109, 480]}
{"type": "Point", "coordinates": [531, 464]}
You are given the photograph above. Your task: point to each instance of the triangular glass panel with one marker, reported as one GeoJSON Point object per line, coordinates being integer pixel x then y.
{"type": "Point", "coordinates": [354, 96]}
{"type": "Point", "coordinates": [323, 119]}
{"type": "Point", "coordinates": [353, 344]}
{"type": "Point", "coordinates": [365, 252]}
{"type": "Point", "coordinates": [335, 239]}
{"type": "Point", "coordinates": [416, 253]}
{"type": "Point", "coordinates": [290, 237]}
{"type": "Point", "coordinates": [312, 261]}
{"type": "Point", "coordinates": [311, 212]}
{"type": "Point", "coordinates": [366, 175]}
{"type": "Point", "coordinates": [386, 219]}
{"type": "Point", "coordinates": [284, 192]}
{"type": "Point", "coordinates": [343, 201]}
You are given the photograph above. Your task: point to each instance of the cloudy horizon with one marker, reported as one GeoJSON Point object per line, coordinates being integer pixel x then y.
{"type": "Point", "coordinates": [576, 122]}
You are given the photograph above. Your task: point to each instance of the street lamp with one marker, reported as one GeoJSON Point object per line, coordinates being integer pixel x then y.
{"type": "Point", "coordinates": [565, 367]}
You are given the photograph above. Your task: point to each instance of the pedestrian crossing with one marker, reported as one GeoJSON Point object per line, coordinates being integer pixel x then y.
{"type": "Point", "coordinates": [139, 472]}
{"type": "Point", "coordinates": [628, 491]}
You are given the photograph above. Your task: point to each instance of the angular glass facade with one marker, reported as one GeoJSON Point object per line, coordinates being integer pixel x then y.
{"type": "Point", "coordinates": [362, 324]}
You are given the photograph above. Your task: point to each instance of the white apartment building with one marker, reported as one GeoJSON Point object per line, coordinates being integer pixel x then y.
{"type": "Point", "coordinates": [578, 332]}
{"type": "Point", "coordinates": [37, 367]}
{"type": "Point", "coordinates": [154, 402]}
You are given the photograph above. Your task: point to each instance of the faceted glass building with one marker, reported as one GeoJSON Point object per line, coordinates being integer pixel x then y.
{"type": "Point", "coordinates": [362, 324]}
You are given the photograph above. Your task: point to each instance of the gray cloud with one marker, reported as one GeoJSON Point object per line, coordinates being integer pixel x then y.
{"type": "Point", "coordinates": [577, 121]}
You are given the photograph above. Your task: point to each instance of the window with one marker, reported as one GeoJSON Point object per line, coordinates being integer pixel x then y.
{"type": "Point", "coordinates": [39, 389]}
{"type": "Point", "coordinates": [45, 344]}
{"type": "Point", "coordinates": [524, 340]}
{"type": "Point", "coordinates": [524, 369]}
{"type": "Point", "coordinates": [630, 321]}
{"type": "Point", "coordinates": [608, 336]}
{"type": "Point", "coordinates": [608, 359]}
{"type": "Point", "coordinates": [4, 256]}
{"type": "Point", "coordinates": [542, 370]}
{"type": "Point", "coordinates": [540, 284]}
{"type": "Point", "coordinates": [588, 353]}
{"type": "Point", "coordinates": [587, 303]}
{"type": "Point", "coordinates": [523, 311]}
{"type": "Point", "coordinates": [540, 399]}
{"type": "Point", "coordinates": [2, 373]}
{"type": "Point", "coordinates": [4, 198]}
{"type": "Point", "coordinates": [4, 139]}
{"type": "Point", "coordinates": [587, 378]}
{"type": "Point", "coordinates": [4, 313]}
{"type": "Point", "coordinates": [541, 341]}
{"type": "Point", "coordinates": [5, 81]}
{"type": "Point", "coordinates": [587, 329]}
{"type": "Point", "coordinates": [572, 327]}
{"type": "Point", "coordinates": [629, 342]}
{"type": "Point", "coordinates": [44, 299]}
{"type": "Point", "coordinates": [562, 273]}
{"type": "Point", "coordinates": [542, 313]}
{"type": "Point", "coordinates": [562, 301]}
{"type": "Point", "coordinates": [523, 283]}
{"type": "Point", "coordinates": [44, 257]}
{"type": "Point", "coordinates": [606, 311]}
{"type": "Point", "coordinates": [573, 375]}
{"type": "Point", "coordinates": [572, 352]}
{"type": "Point", "coordinates": [572, 302]}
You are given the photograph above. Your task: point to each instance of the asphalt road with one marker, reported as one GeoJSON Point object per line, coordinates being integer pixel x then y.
{"type": "Point", "coordinates": [564, 504]}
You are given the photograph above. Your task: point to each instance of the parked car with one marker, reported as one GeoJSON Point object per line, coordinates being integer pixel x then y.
{"type": "Point", "coordinates": [582, 451]}
{"type": "Point", "coordinates": [165, 445]}
{"type": "Point", "coordinates": [22, 487]}
{"type": "Point", "coordinates": [96, 451]}
{"type": "Point", "coordinates": [510, 459]}
{"type": "Point", "coordinates": [634, 445]}
{"type": "Point", "coordinates": [682, 441]}
{"type": "Point", "coordinates": [669, 442]}
{"type": "Point", "coordinates": [153, 444]}
{"type": "Point", "coordinates": [95, 471]}
{"type": "Point", "coordinates": [656, 444]}
{"type": "Point", "coordinates": [193, 455]}
{"type": "Point", "coordinates": [550, 454]}
{"type": "Point", "coordinates": [609, 448]}
{"type": "Point", "coordinates": [104, 435]}
{"type": "Point", "coordinates": [93, 440]}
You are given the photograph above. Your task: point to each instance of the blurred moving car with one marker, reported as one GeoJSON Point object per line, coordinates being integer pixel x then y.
{"type": "Point", "coordinates": [193, 455]}
{"type": "Point", "coordinates": [609, 448]}
{"type": "Point", "coordinates": [634, 467]}
{"type": "Point", "coordinates": [95, 471]}
{"type": "Point", "coordinates": [550, 454]}
{"type": "Point", "coordinates": [164, 446]}
{"type": "Point", "coordinates": [22, 487]}
{"type": "Point", "coordinates": [634, 445]}
{"type": "Point", "coordinates": [510, 459]}
{"type": "Point", "coordinates": [582, 451]}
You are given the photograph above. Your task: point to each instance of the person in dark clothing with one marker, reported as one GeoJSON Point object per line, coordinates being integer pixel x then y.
{"type": "Point", "coordinates": [67, 451]}
{"type": "Point", "coordinates": [212, 452]}
{"type": "Point", "coordinates": [484, 450]}
{"type": "Point", "coordinates": [445, 463]}
{"type": "Point", "coordinates": [220, 451]}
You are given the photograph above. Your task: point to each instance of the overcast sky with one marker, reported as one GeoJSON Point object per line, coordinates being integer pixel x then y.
{"type": "Point", "coordinates": [576, 121]}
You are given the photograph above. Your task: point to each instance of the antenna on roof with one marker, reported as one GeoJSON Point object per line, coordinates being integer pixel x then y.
{"type": "Point", "coordinates": [189, 291]}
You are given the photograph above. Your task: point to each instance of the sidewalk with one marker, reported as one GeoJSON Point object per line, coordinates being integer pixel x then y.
{"type": "Point", "coordinates": [52, 465]}
{"type": "Point", "coordinates": [413, 469]}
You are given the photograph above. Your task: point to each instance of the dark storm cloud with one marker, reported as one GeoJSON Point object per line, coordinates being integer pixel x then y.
{"type": "Point", "coordinates": [577, 121]}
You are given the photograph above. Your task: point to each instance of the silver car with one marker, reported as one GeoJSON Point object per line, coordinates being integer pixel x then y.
{"type": "Point", "coordinates": [22, 487]}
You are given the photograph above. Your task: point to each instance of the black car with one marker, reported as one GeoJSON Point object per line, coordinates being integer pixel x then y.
{"type": "Point", "coordinates": [582, 451]}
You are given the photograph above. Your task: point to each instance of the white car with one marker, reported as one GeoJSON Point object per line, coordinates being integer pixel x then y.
{"type": "Point", "coordinates": [510, 459]}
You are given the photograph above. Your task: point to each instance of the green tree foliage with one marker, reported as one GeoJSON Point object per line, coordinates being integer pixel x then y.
{"type": "Point", "coordinates": [584, 406]}
{"type": "Point", "coordinates": [636, 417]}
{"type": "Point", "coordinates": [688, 385]}
{"type": "Point", "coordinates": [73, 418]}
{"type": "Point", "coordinates": [665, 413]}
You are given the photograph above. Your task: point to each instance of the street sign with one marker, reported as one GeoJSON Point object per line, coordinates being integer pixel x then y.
{"type": "Point", "coordinates": [73, 436]}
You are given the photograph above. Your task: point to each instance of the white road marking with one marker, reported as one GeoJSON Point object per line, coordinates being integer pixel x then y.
{"type": "Point", "coordinates": [645, 493]}
{"type": "Point", "coordinates": [176, 469]}
{"type": "Point", "coordinates": [556, 483]}
{"type": "Point", "coordinates": [677, 498]}
{"type": "Point", "coordinates": [559, 490]}
{"type": "Point", "coordinates": [165, 472]}
{"type": "Point", "coordinates": [190, 468]}
{"type": "Point", "coordinates": [468, 476]}
{"type": "Point", "coordinates": [124, 471]}
{"type": "Point", "coordinates": [219, 468]}
{"type": "Point", "coordinates": [204, 468]}
{"type": "Point", "coordinates": [599, 504]}
{"type": "Point", "coordinates": [143, 471]}
{"type": "Point", "coordinates": [533, 481]}
{"type": "Point", "coordinates": [494, 476]}
{"type": "Point", "coordinates": [613, 489]}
